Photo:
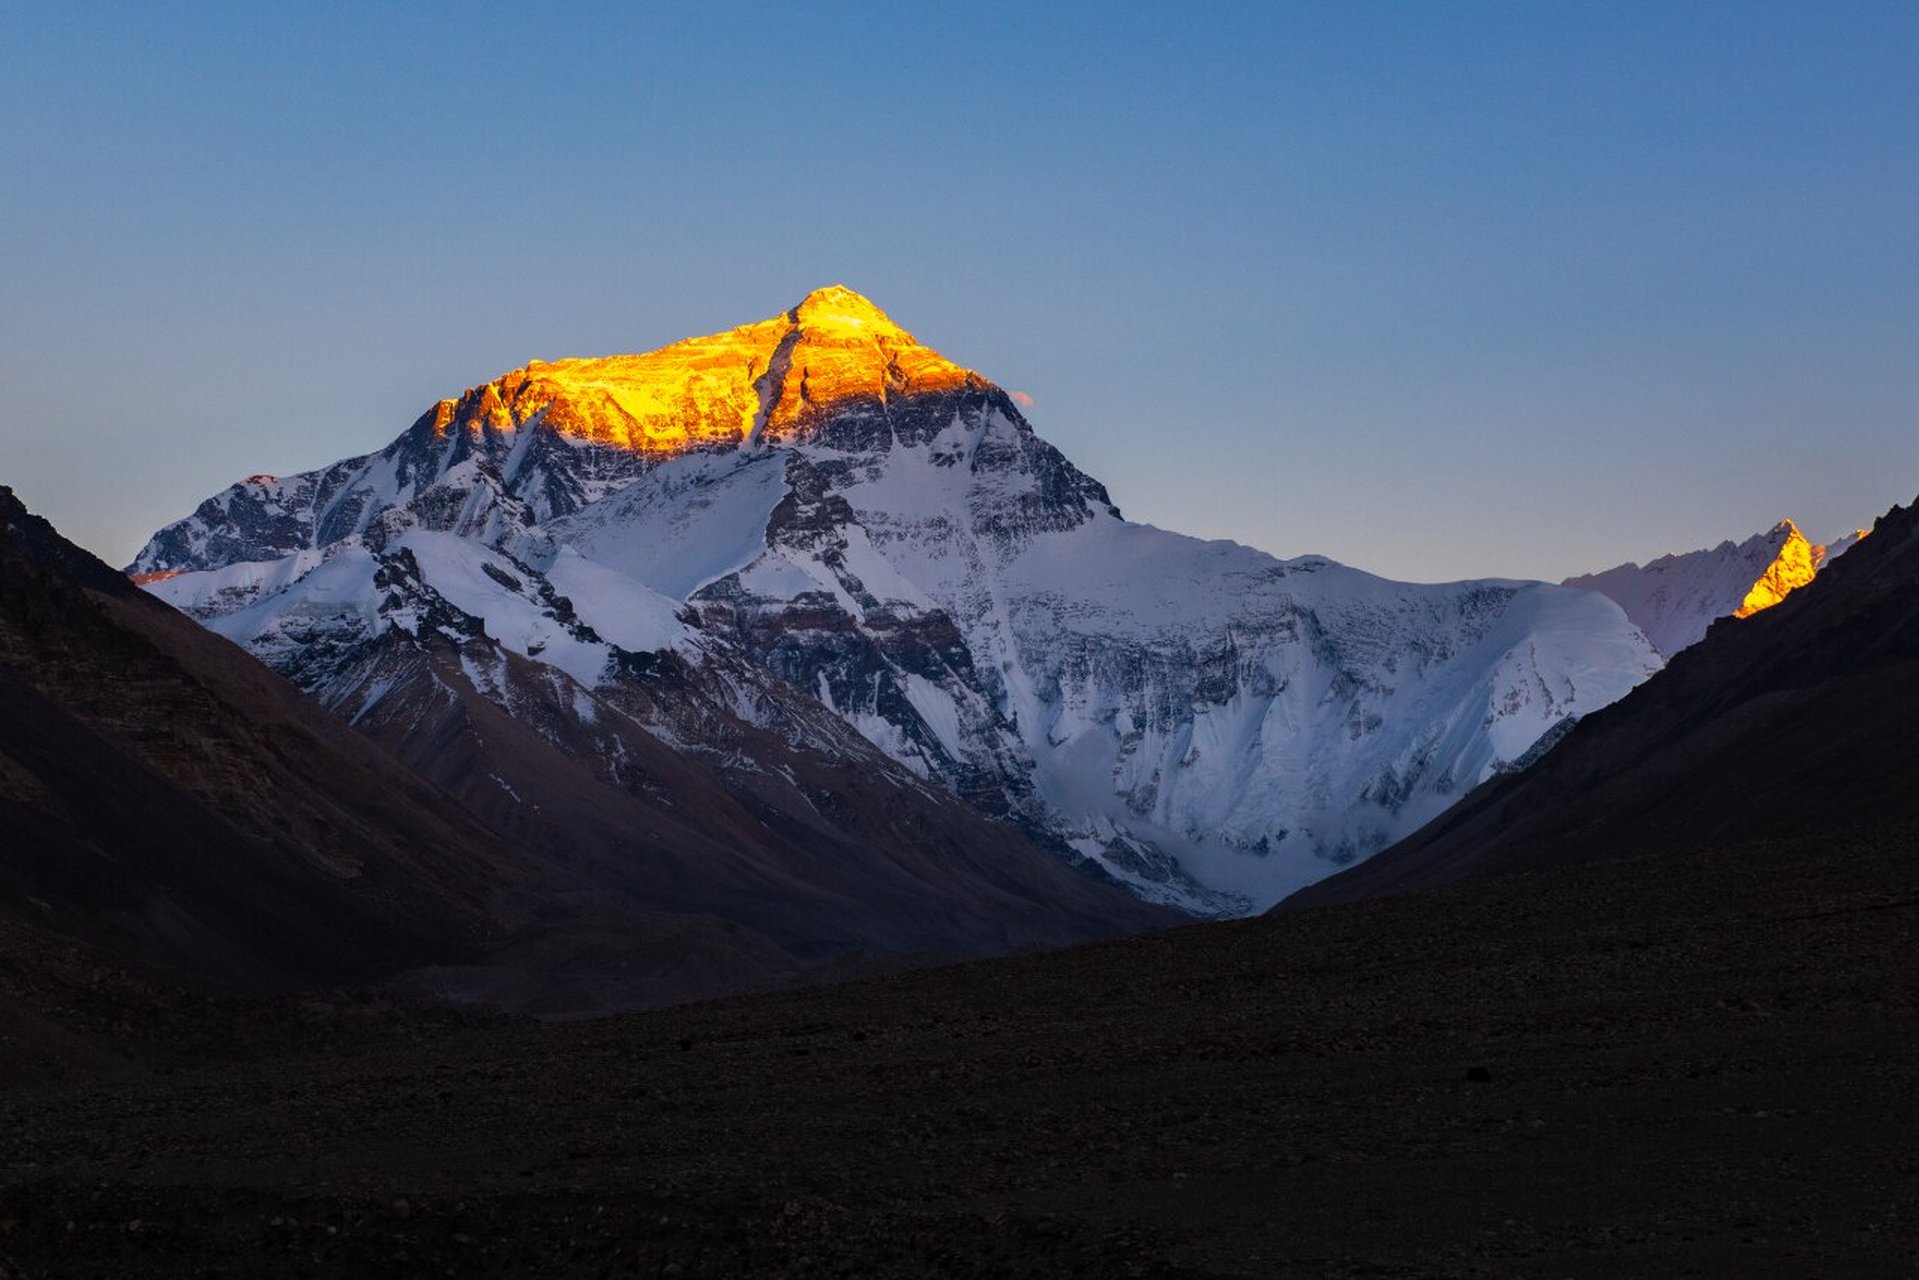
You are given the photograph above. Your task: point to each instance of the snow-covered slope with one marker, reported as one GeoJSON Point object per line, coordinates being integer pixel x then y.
{"type": "Point", "coordinates": [822, 501]}
{"type": "Point", "coordinates": [1675, 598]}
{"type": "Point", "coordinates": [1826, 553]}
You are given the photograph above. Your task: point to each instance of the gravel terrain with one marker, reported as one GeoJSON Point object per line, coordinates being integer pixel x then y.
{"type": "Point", "coordinates": [1697, 1064]}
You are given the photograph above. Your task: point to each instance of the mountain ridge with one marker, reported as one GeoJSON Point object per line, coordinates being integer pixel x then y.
{"type": "Point", "coordinates": [893, 541]}
{"type": "Point", "coordinates": [730, 387]}
{"type": "Point", "coordinates": [171, 799]}
{"type": "Point", "coordinates": [1774, 724]}
{"type": "Point", "coordinates": [1674, 598]}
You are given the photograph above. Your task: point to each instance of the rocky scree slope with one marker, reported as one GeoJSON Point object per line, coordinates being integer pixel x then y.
{"type": "Point", "coordinates": [1396, 1088]}
{"type": "Point", "coordinates": [838, 537]}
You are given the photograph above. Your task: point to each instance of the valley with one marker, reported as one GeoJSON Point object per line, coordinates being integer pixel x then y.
{"type": "Point", "coordinates": [1694, 1063]}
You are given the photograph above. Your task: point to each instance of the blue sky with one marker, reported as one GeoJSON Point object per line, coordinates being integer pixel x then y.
{"type": "Point", "coordinates": [1438, 290]}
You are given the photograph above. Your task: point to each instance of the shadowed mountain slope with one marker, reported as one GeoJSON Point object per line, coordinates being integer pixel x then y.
{"type": "Point", "coordinates": [1793, 721]}
{"type": "Point", "coordinates": [166, 798]}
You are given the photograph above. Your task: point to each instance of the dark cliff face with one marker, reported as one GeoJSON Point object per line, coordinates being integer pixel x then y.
{"type": "Point", "coordinates": [1794, 721]}
{"type": "Point", "coordinates": [860, 665]}
{"type": "Point", "coordinates": [1061, 497]}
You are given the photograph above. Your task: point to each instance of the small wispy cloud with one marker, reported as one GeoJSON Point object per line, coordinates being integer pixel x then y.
{"type": "Point", "coordinates": [1021, 399]}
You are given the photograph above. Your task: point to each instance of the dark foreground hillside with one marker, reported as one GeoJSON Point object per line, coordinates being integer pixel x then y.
{"type": "Point", "coordinates": [1692, 1065]}
{"type": "Point", "coordinates": [194, 822]}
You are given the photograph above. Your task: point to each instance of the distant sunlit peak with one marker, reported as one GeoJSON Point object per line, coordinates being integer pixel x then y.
{"type": "Point", "coordinates": [1792, 568]}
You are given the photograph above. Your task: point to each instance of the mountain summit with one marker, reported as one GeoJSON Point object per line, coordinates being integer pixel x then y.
{"type": "Point", "coordinates": [826, 528]}
{"type": "Point", "coordinates": [1792, 568]}
{"type": "Point", "coordinates": [770, 379]}
{"type": "Point", "coordinates": [1675, 598]}
{"type": "Point", "coordinates": [555, 436]}
{"type": "Point", "coordinates": [837, 308]}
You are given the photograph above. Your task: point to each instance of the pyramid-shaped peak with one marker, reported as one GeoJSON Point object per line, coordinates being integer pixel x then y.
{"type": "Point", "coordinates": [1793, 566]}
{"type": "Point", "coordinates": [711, 391]}
{"type": "Point", "coordinates": [837, 306]}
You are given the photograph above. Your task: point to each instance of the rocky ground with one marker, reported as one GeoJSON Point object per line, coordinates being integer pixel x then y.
{"type": "Point", "coordinates": [1689, 1065]}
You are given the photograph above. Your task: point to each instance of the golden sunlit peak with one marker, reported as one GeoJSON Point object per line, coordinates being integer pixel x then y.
{"type": "Point", "coordinates": [1793, 567]}
{"type": "Point", "coordinates": [837, 306]}
{"type": "Point", "coordinates": [761, 382]}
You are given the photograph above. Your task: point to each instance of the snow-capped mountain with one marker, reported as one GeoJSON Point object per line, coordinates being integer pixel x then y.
{"type": "Point", "coordinates": [1675, 598]}
{"type": "Point", "coordinates": [818, 514]}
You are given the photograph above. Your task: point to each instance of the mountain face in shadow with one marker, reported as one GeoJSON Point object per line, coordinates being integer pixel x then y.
{"type": "Point", "coordinates": [172, 803]}
{"type": "Point", "coordinates": [1792, 722]}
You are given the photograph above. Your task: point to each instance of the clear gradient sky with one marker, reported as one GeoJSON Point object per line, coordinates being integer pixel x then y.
{"type": "Point", "coordinates": [1440, 290]}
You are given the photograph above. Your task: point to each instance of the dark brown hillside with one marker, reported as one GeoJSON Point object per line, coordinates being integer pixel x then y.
{"type": "Point", "coordinates": [166, 798]}
{"type": "Point", "coordinates": [713, 878]}
{"type": "Point", "coordinates": [1798, 720]}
